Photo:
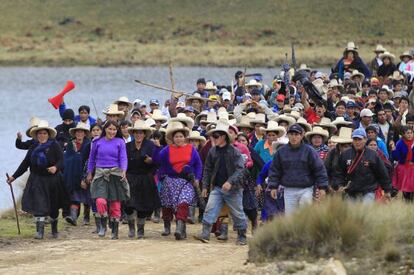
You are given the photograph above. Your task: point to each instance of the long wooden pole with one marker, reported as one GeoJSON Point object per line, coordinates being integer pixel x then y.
{"type": "Point", "coordinates": [161, 88]}
{"type": "Point", "coordinates": [14, 204]}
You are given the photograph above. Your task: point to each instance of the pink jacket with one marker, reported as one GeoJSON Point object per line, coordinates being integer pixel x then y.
{"type": "Point", "coordinates": [245, 152]}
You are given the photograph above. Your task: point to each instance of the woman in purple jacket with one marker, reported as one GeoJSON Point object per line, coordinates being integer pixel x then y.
{"type": "Point", "coordinates": [108, 161]}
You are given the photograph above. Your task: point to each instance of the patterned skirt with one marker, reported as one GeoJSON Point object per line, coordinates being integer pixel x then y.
{"type": "Point", "coordinates": [175, 191]}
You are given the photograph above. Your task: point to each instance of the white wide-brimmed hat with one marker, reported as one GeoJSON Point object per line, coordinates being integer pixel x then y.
{"type": "Point", "coordinates": [150, 122]}
{"type": "Point", "coordinates": [290, 120]}
{"type": "Point", "coordinates": [272, 126]}
{"type": "Point", "coordinates": [350, 46]}
{"type": "Point", "coordinates": [304, 67]}
{"type": "Point", "coordinates": [345, 136]}
{"type": "Point", "coordinates": [317, 130]}
{"type": "Point", "coordinates": [244, 123]}
{"type": "Point", "coordinates": [357, 73]}
{"type": "Point", "coordinates": [173, 127]}
{"type": "Point", "coordinates": [198, 118]}
{"type": "Point", "coordinates": [294, 114]}
{"type": "Point", "coordinates": [406, 54]}
{"type": "Point", "coordinates": [210, 86]}
{"type": "Point", "coordinates": [195, 135]}
{"type": "Point", "coordinates": [195, 96]}
{"type": "Point", "coordinates": [181, 117]}
{"type": "Point", "coordinates": [43, 125]}
{"type": "Point", "coordinates": [253, 83]}
{"type": "Point", "coordinates": [79, 126]}
{"type": "Point", "coordinates": [379, 49]}
{"type": "Point", "coordinates": [140, 125]}
{"type": "Point", "coordinates": [390, 92]}
{"type": "Point", "coordinates": [326, 123]}
{"type": "Point", "coordinates": [335, 83]}
{"type": "Point", "coordinates": [113, 110]}
{"type": "Point", "coordinates": [123, 99]}
{"type": "Point", "coordinates": [34, 121]}
{"type": "Point", "coordinates": [221, 126]}
{"type": "Point", "coordinates": [387, 54]}
{"type": "Point", "coordinates": [396, 75]}
{"type": "Point", "coordinates": [340, 121]}
{"type": "Point", "coordinates": [302, 122]}
{"type": "Point", "coordinates": [258, 119]}
{"type": "Point", "coordinates": [211, 118]}
{"type": "Point", "coordinates": [158, 116]}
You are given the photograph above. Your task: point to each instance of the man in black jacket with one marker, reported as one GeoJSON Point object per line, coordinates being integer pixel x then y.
{"type": "Point", "coordinates": [223, 173]}
{"type": "Point", "coordinates": [361, 170]}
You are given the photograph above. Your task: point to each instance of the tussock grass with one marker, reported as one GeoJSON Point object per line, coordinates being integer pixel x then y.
{"type": "Point", "coordinates": [335, 227]}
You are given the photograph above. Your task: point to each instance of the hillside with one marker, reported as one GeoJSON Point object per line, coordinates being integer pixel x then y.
{"type": "Point", "coordinates": [232, 32]}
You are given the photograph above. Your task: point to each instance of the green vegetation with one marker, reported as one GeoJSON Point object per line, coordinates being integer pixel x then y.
{"type": "Point", "coordinates": [379, 236]}
{"type": "Point", "coordinates": [220, 33]}
{"type": "Point", "coordinates": [8, 227]}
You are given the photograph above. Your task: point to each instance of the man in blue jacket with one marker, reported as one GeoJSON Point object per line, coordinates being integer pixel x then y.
{"type": "Point", "coordinates": [298, 168]}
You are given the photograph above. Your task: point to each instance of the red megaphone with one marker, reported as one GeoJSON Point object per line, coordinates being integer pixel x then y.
{"type": "Point", "coordinates": [58, 99]}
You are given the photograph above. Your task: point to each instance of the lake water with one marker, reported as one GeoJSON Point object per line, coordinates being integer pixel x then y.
{"type": "Point", "coordinates": [24, 92]}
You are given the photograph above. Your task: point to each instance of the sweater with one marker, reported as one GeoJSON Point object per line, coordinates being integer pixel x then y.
{"type": "Point", "coordinates": [108, 154]}
{"type": "Point", "coordinates": [264, 153]}
{"type": "Point", "coordinates": [400, 152]}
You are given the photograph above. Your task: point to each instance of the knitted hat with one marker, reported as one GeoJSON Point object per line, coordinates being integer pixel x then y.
{"type": "Point", "coordinates": [68, 114]}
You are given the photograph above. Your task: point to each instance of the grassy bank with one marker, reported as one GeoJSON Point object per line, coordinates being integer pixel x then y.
{"type": "Point", "coordinates": [216, 33]}
{"type": "Point", "coordinates": [366, 238]}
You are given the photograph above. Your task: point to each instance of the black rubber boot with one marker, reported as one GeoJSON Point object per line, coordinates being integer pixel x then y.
{"type": "Point", "coordinates": [179, 230]}
{"type": "Point", "coordinates": [102, 226]}
{"type": "Point", "coordinates": [185, 231]}
{"type": "Point", "coordinates": [131, 226]}
{"type": "Point", "coordinates": [167, 228]}
{"type": "Point", "coordinates": [115, 227]}
{"type": "Point", "coordinates": [157, 216]}
{"type": "Point", "coordinates": [73, 216]}
{"type": "Point", "coordinates": [241, 237]}
{"type": "Point", "coordinates": [141, 225]}
{"type": "Point", "coordinates": [224, 230]}
{"type": "Point", "coordinates": [86, 214]}
{"type": "Point", "coordinates": [97, 224]}
{"type": "Point", "coordinates": [54, 226]}
{"type": "Point", "coordinates": [191, 215]}
{"type": "Point", "coordinates": [204, 236]}
{"type": "Point", "coordinates": [40, 228]}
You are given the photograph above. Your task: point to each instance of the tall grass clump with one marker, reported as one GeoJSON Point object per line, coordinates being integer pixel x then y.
{"type": "Point", "coordinates": [334, 227]}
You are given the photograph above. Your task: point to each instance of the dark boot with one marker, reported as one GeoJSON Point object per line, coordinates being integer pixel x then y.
{"type": "Point", "coordinates": [191, 215]}
{"type": "Point", "coordinates": [40, 228]}
{"type": "Point", "coordinates": [179, 230]}
{"type": "Point", "coordinates": [217, 229]}
{"type": "Point", "coordinates": [115, 225]}
{"type": "Point", "coordinates": [73, 216]}
{"type": "Point", "coordinates": [141, 225]}
{"type": "Point", "coordinates": [157, 216]}
{"type": "Point", "coordinates": [102, 226]}
{"type": "Point", "coordinates": [241, 237]}
{"type": "Point", "coordinates": [205, 233]}
{"type": "Point", "coordinates": [97, 224]}
{"type": "Point", "coordinates": [86, 214]}
{"type": "Point", "coordinates": [131, 226]}
{"type": "Point", "coordinates": [254, 226]}
{"type": "Point", "coordinates": [54, 225]}
{"type": "Point", "coordinates": [185, 231]}
{"type": "Point", "coordinates": [167, 228]}
{"type": "Point", "coordinates": [224, 230]}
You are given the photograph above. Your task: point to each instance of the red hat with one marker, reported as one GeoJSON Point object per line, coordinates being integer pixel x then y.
{"type": "Point", "coordinates": [280, 98]}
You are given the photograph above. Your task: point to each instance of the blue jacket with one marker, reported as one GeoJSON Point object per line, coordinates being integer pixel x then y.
{"type": "Point", "coordinates": [62, 108]}
{"type": "Point", "coordinates": [298, 168]}
{"type": "Point", "coordinates": [383, 147]}
{"type": "Point", "coordinates": [264, 173]}
{"type": "Point", "coordinates": [401, 151]}
{"type": "Point", "coordinates": [263, 153]}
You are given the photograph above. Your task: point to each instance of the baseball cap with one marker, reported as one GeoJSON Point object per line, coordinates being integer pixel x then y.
{"type": "Point", "coordinates": [226, 95]}
{"type": "Point", "coordinates": [295, 128]}
{"type": "Point", "coordinates": [213, 98]}
{"type": "Point", "coordinates": [154, 102]}
{"type": "Point", "coordinates": [143, 104]}
{"type": "Point", "coordinates": [351, 104]}
{"type": "Point", "coordinates": [359, 133]}
{"type": "Point", "coordinates": [366, 112]}
{"type": "Point", "coordinates": [280, 98]}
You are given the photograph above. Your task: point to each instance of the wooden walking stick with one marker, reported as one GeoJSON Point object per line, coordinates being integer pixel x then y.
{"type": "Point", "coordinates": [161, 88]}
{"type": "Point", "coordinates": [14, 204]}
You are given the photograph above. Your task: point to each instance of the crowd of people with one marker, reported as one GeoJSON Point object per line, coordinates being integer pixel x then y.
{"type": "Point", "coordinates": [246, 151]}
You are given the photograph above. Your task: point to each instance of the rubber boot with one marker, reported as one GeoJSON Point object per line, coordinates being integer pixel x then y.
{"type": "Point", "coordinates": [131, 226]}
{"type": "Point", "coordinates": [54, 226]}
{"type": "Point", "coordinates": [102, 226]}
{"type": "Point", "coordinates": [86, 214]}
{"type": "Point", "coordinates": [141, 225]}
{"type": "Point", "coordinates": [167, 228]}
{"type": "Point", "coordinates": [241, 237]}
{"type": "Point", "coordinates": [191, 215]}
{"type": "Point", "coordinates": [224, 230]}
{"type": "Point", "coordinates": [97, 224]}
{"type": "Point", "coordinates": [115, 226]}
{"type": "Point", "coordinates": [157, 216]}
{"type": "Point", "coordinates": [40, 228]}
{"type": "Point", "coordinates": [73, 216]}
{"type": "Point", "coordinates": [185, 231]}
{"type": "Point", "coordinates": [179, 230]}
{"type": "Point", "coordinates": [204, 236]}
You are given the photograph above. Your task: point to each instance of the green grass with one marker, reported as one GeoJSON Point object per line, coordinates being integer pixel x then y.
{"type": "Point", "coordinates": [8, 226]}
{"type": "Point", "coordinates": [222, 33]}
{"type": "Point", "coordinates": [379, 236]}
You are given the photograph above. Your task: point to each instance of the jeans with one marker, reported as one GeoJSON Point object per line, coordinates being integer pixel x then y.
{"type": "Point", "coordinates": [234, 201]}
{"type": "Point", "coordinates": [364, 198]}
{"type": "Point", "coordinates": [296, 197]}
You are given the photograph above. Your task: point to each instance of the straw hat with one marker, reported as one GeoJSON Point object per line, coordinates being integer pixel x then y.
{"type": "Point", "coordinates": [345, 136]}
{"type": "Point", "coordinates": [259, 119]}
{"type": "Point", "coordinates": [389, 91]}
{"type": "Point", "coordinates": [317, 130]}
{"type": "Point", "coordinates": [221, 126]}
{"type": "Point", "coordinates": [340, 121]}
{"type": "Point", "coordinates": [272, 126]}
{"type": "Point", "coordinates": [288, 119]}
{"type": "Point", "coordinates": [387, 54]}
{"type": "Point", "coordinates": [158, 116]}
{"type": "Point", "coordinates": [304, 67]}
{"type": "Point", "coordinates": [113, 110]}
{"type": "Point", "coordinates": [211, 118]}
{"type": "Point", "coordinates": [302, 122]}
{"type": "Point", "coordinates": [357, 73]}
{"type": "Point", "coordinates": [334, 83]}
{"type": "Point", "coordinates": [187, 121]}
{"type": "Point", "coordinates": [406, 54]}
{"type": "Point", "coordinates": [79, 126]}
{"type": "Point", "coordinates": [326, 123]}
{"type": "Point", "coordinates": [195, 96]}
{"type": "Point", "coordinates": [396, 75]}
{"type": "Point", "coordinates": [379, 49]}
{"type": "Point", "coordinates": [124, 99]}
{"type": "Point", "coordinates": [140, 125]}
{"type": "Point", "coordinates": [34, 121]}
{"type": "Point", "coordinates": [200, 116]}
{"type": "Point", "coordinates": [222, 112]}
{"type": "Point", "coordinates": [321, 87]}
{"type": "Point", "coordinates": [173, 127]}
{"type": "Point", "coordinates": [195, 135]}
{"type": "Point", "coordinates": [350, 46]}
{"type": "Point", "coordinates": [210, 86]}
{"type": "Point", "coordinates": [150, 122]}
{"type": "Point", "coordinates": [244, 123]}
{"type": "Point", "coordinates": [43, 125]}
{"type": "Point", "coordinates": [253, 83]}
{"type": "Point", "coordinates": [294, 114]}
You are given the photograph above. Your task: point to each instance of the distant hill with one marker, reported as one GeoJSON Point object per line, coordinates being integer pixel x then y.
{"type": "Point", "coordinates": [197, 32]}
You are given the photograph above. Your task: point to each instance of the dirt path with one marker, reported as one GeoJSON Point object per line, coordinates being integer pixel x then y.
{"type": "Point", "coordinates": [77, 251]}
